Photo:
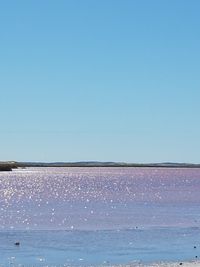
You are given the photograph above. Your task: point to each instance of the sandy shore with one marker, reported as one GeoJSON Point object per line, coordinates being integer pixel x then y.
{"type": "Point", "coordinates": [164, 264]}
{"type": "Point", "coordinates": [161, 264]}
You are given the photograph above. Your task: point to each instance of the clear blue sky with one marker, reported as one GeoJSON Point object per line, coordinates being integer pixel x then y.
{"type": "Point", "coordinates": [108, 80]}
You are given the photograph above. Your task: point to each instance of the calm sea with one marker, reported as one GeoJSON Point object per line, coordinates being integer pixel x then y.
{"type": "Point", "coordinates": [95, 216]}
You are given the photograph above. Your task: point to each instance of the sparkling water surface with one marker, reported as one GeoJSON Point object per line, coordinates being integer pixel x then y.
{"type": "Point", "coordinates": [93, 216]}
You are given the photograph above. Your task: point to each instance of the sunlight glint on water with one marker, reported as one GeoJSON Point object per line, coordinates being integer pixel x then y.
{"type": "Point", "coordinates": [84, 216]}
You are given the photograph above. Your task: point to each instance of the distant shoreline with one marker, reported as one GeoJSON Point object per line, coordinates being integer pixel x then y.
{"type": "Point", "coordinates": [106, 164]}
{"type": "Point", "coordinates": [8, 166]}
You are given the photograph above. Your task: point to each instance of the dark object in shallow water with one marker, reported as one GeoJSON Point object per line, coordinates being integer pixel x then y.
{"type": "Point", "coordinates": [17, 243]}
{"type": "Point", "coordinates": [195, 247]}
{"type": "Point", "coordinates": [180, 263]}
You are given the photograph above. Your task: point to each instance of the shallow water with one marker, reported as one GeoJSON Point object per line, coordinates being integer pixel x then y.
{"type": "Point", "coordinates": [106, 247]}
{"type": "Point", "coordinates": [84, 216]}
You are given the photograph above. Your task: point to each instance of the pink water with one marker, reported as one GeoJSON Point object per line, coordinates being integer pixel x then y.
{"type": "Point", "coordinates": [84, 216]}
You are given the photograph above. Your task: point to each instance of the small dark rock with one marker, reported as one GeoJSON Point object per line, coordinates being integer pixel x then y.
{"type": "Point", "coordinates": [17, 243]}
{"type": "Point", "coordinates": [180, 263]}
{"type": "Point", "coordinates": [195, 247]}
{"type": "Point", "coordinates": [196, 257]}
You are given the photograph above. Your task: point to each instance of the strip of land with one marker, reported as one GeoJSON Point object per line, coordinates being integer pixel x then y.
{"type": "Point", "coordinates": [9, 165]}
{"type": "Point", "coordinates": [163, 264]}
{"type": "Point", "coordinates": [172, 264]}
{"type": "Point", "coordinates": [105, 164]}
